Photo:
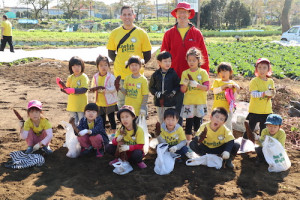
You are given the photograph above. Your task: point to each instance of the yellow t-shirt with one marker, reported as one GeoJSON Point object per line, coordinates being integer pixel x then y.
{"type": "Point", "coordinates": [100, 101]}
{"type": "Point", "coordinates": [137, 43]}
{"type": "Point", "coordinates": [261, 105]}
{"type": "Point", "coordinates": [217, 138]}
{"type": "Point", "coordinates": [7, 28]}
{"type": "Point", "coordinates": [44, 125]}
{"type": "Point", "coordinates": [279, 135]}
{"type": "Point", "coordinates": [136, 88]}
{"type": "Point", "coordinates": [183, 31]}
{"type": "Point", "coordinates": [77, 102]}
{"type": "Point", "coordinates": [133, 140]}
{"type": "Point", "coordinates": [195, 96]}
{"type": "Point", "coordinates": [173, 138]}
{"type": "Point", "coordinates": [220, 99]}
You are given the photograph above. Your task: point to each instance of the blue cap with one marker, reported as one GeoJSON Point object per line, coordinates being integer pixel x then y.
{"type": "Point", "coordinates": [274, 119]}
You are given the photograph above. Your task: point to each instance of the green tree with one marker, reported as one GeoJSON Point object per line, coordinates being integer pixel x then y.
{"type": "Point", "coordinates": [237, 15]}
{"type": "Point", "coordinates": [141, 7]}
{"type": "Point", "coordinates": [38, 6]}
{"type": "Point", "coordinates": [211, 14]}
{"type": "Point", "coordinates": [72, 7]}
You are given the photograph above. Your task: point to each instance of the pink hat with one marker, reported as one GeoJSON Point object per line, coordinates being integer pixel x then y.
{"type": "Point", "coordinates": [34, 103]}
{"type": "Point", "coordinates": [262, 60]}
{"type": "Point", "coordinates": [185, 6]}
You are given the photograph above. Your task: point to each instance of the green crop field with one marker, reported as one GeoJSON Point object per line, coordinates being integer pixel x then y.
{"type": "Point", "coordinates": [243, 55]}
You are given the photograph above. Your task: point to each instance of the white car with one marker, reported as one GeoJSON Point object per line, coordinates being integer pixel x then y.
{"type": "Point", "coordinates": [292, 34]}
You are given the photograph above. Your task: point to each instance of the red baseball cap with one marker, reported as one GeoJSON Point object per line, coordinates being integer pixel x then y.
{"type": "Point", "coordinates": [185, 6]}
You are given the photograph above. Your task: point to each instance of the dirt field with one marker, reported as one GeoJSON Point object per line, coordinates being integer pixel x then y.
{"type": "Point", "coordinates": [92, 178]}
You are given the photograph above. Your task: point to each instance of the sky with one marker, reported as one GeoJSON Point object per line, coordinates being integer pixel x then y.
{"type": "Point", "coordinates": [13, 3]}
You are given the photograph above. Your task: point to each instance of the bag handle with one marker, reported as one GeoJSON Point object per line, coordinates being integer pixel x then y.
{"type": "Point", "coordinates": [125, 38]}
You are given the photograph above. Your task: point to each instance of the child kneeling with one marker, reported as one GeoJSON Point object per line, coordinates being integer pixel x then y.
{"type": "Point", "coordinates": [172, 133]}
{"type": "Point", "coordinates": [129, 140]}
{"type": "Point", "coordinates": [90, 131]}
{"type": "Point", "coordinates": [215, 138]}
{"type": "Point", "coordinates": [273, 129]}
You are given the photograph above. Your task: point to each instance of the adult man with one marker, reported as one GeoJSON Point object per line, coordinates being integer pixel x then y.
{"type": "Point", "coordinates": [121, 48]}
{"type": "Point", "coordinates": [6, 34]}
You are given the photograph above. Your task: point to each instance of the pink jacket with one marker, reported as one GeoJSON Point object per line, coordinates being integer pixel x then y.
{"type": "Point", "coordinates": [110, 89]}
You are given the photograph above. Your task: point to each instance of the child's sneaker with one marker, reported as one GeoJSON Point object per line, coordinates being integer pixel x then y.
{"type": "Point", "coordinates": [47, 150]}
{"type": "Point", "coordinates": [229, 164]}
{"type": "Point", "coordinates": [142, 165]}
{"type": "Point", "coordinates": [99, 153]}
{"type": "Point", "coordinates": [113, 161]}
{"type": "Point", "coordinates": [86, 151]}
{"type": "Point", "coordinates": [29, 150]}
{"type": "Point", "coordinates": [178, 160]}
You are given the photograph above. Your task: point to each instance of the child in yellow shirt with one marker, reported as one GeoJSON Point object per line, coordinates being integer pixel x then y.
{"type": "Point", "coordinates": [194, 84]}
{"type": "Point", "coordinates": [105, 91]}
{"type": "Point", "coordinates": [76, 88]}
{"type": "Point", "coordinates": [215, 138]}
{"type": "Point", "coordinates": [136, 87]}
{"type": "Point", "coordinates": [274, 130]}
{"type": "Point", "coordinates": [222, 87]}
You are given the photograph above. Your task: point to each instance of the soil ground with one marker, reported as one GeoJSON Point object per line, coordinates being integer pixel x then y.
{"type": "Point", "coordinates": [92, 178]}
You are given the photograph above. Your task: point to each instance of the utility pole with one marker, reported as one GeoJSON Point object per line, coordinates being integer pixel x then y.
{"type": "Point", "coordinates": [156, 10]}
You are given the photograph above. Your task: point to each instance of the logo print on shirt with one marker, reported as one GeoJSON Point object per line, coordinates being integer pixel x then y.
{"type": "Point", "coordinates": [221, 137]}
{"type": "Point", "coordinates": [127, 47]}
{"type": "Point", "coordinates": [199, 77]}
{"type": "Point", "coordinates": [78, 83]}
{"type": "Point", "coordinates": [133, 39]}
{"type": "Point", "coordinates": [139, 85]}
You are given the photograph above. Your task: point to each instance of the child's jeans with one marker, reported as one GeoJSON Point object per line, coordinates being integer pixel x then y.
{"type": "Point", "coordinates": [203, 149]}
{"type": "Point", "coordinates": [86, 141]}
{"type": "Point", "coordinates": [135, 156]}
{"type": "Point", "coordinates": [182, 151]}
{"type": "Point", "coordinates": [32, 139]}
{"type": "Point", "coordinates": [77, 116]}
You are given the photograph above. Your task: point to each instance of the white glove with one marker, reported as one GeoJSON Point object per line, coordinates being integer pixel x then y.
{"type": "Point", "coordinates": [36, 147]}
{"type": "Point", "coordinates": [173, 149]}
{"type": "Point", "coordinates": [143, 112]}
{"type": "Point", "coordinates": [158, 94]}
{"type": "Point", "coordinates": [21, 123]}
{"type": "Point", "coordinates": [185, 82]}
{"type": "Point", "coordinates": [225, 155]}
{"type": "Point", "coordinates": [256, 137]}
{"type": "Point", "coordinates": [124, 147]}
{"type": "Point", "coordinates": [269, 93]}
{"type": "Point", "coordinates": [83, 132]}
{"type": "Point", "coordinates": [119, 138]}
{"type": "Point", "coordinates": [194, 83]}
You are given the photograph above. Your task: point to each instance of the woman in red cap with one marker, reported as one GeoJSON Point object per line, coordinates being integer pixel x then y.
{"type": "Point", "coordinates": [179, 39]}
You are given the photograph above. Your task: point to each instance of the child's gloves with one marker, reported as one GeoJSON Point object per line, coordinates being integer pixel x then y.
{"type": "Point", "coordinates": [225, 155]}
{"type": "Point", "coordinates": [194, 83]}
{"type": "Point", "coordinates": [185, 82]}
{"type": "Point", "coordinates": [70, 90]}
{"type": "Point", "coordinates": [119, 138]}
{"type": "Point", "coordinates": [124, 147]}
{"type": "Point", "coordinates": [158, 94]}
{"type": "Point", "coordinates": [143, 112]}
{"type": "Point", "coordinates": [256, 137]}
{"type": "Point", "coordinates": [171, 94]}
{"type": "Point", "coordinates": [173, 149]}
{"type": "Point", "coordinates": [269, 93]}
{"type": "Point", "coordinates": [60, 83]}
{"type": "Point", "coordinates": [36, 147]}
{"type": "Point", "coordinates": [84, 132]}
{"type": "Point", "coordinates": [21, 123]}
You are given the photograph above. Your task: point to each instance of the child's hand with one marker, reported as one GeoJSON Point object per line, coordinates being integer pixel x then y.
{"type": "Point", "coordinates": [194, 83]}
{"type": "Point", "coordinates": [173, 149]}
{"type": "Point", "coordinates": [143, 112]}
{"type": "Point", "coordinates": [256, 137]}
{"type": "Point", "coordinates": [269, 93]}
{"type": "Point", "coordinates": [185, 82]}
{"type": "Point", "coordinates": [225, 155]}
{"type": "Point", "coordinates": [84, 132]}
{"type": "Point", "coordinates": [124, 147]}
{"type": "Point", "coordinates": [119, 138]}
{"type": "Point", "coordinates": [21, 123]}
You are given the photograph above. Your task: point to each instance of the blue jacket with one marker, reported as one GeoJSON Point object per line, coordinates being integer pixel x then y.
{"type": "Point", "coordinates": [98, 128]}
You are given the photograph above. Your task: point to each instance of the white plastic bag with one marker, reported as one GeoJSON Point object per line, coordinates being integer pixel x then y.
{"type": "Point", "coordinates": [71, 141]}
{"type": "Point", "coordinates": [122, 167]}
{"type": "Point", "coordinates": [210, 160]}
{"type": "Point", "coordinates": [165, 161]}
{"type": "Point", "coordinates": [275, 155]}
{"type": "Point", "coordinates": [249, 146]}
{"type": "Point", "coordinates": [239, 116]}
{"type": "Point", "coordinates": [142, 123]}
